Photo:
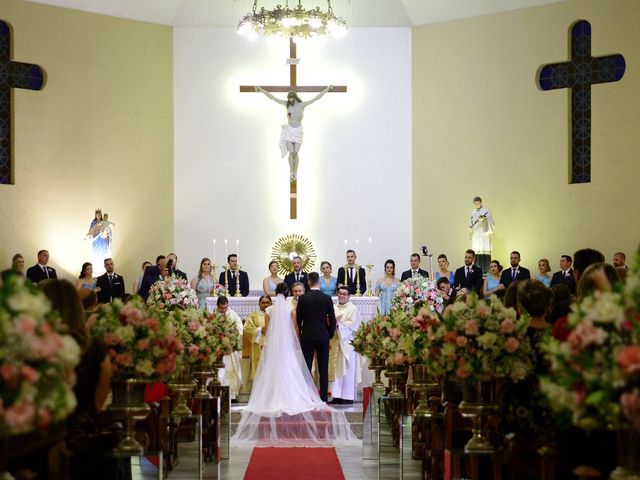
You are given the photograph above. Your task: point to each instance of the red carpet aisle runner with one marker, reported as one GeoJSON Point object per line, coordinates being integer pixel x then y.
{"type": "Point", "coordinates": [277, 463]}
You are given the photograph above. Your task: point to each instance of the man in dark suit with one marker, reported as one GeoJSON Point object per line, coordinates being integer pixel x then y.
{"type": "Point", "coordinates": [415, 269]}
{"type": "Point", "coordinates": [173, 267]}
{"type": "Point", "coordinates": [235, 277]}
{"type": "Point", "coordinates": [111, 284]}
{"type": "Point", "coordinates": [468, 277]}
{"type": "Point", "coordinates": [317, 324]}
{"type": "Point", "coordinates": [565, 275]}
{"type": "Point", "coordinates": [516, 272]}
{"type": "Point", "coordinates": [152, 275]}
{"type": "Point", "coordinates": [298, 275]}
{"type": "Point", "coordinates": [352, 275]}
{"type": "Point", "coordinates": [41, 271]}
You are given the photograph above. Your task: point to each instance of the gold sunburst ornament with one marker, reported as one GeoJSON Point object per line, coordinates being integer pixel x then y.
{"type": "Point", "coordinates": [293, 245]}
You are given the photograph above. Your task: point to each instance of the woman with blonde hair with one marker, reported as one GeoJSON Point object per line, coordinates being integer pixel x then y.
{"type": "Point", "coordinates": [204, 282]}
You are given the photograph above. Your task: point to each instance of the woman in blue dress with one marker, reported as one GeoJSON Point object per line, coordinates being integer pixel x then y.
{"type": "Point", "coordinates": [327, 282]}
{"type": "Point", "coordinates": [443, 271]}
{"type": "Point", "coordinates": [492, 283]}
{"type": "Point", "coordinates": [86, 280]}
{"type": "Point", "coordinates": [386, 286]}
{"type": "Point", "coordinates": [544, 268]}
{"type": "Point", "coordinates": [203, 283]}
{"type": "Point", "coordinates": [269, 284]}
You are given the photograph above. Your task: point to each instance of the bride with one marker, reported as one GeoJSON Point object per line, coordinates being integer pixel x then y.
{"type": "Point", "coordinates": [284, 408]}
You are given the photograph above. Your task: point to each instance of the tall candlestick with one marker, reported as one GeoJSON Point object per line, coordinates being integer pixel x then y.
{"type": "Point", "coordinates": [226, 253]}
{"type": "Point", "coordinates": [345, 243]}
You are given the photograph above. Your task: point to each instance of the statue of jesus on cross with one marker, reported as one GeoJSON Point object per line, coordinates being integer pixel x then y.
{"type": "Point", "coordinates": [291, 135]}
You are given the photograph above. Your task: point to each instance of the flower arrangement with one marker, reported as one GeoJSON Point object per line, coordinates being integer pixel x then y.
{"type": "Point", "coordinates": [219, 290]}
{"type": "Point", "coordinates": [206, 336]}
{"type": "Point", "coordinates": [172, 292]}
{"type": "Point", "coordinates": [142, 342]}
{"type": "Point", "coordinates": [380, 338]}
{"type": "Point", "coordinates": [417, 290]}
{"type": "Point", "coordinates": [37, 360]}
{"type": "Point", "coordinates": [476, 339]}
{"type": "Point", "coordinates": [595, 374]}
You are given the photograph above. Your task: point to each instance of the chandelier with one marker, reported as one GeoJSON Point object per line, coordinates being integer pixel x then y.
{"type": "Point", "coordinates": [291, 22]}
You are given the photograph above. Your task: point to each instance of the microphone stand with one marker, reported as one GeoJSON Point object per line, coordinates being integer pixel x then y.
{"type": "Point", "coordinates": [430, 255]}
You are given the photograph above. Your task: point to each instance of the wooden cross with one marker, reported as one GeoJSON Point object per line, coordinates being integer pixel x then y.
{"type": "Point", "coordinates": [579, 74]}
{"type": "Point", "coordinates": [293, 86]}
{"type": "Point", "coordinates": [12, 75]}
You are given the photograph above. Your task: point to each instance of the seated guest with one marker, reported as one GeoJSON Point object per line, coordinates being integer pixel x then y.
{"type": "Point", "coordinates": [386, 287]}
{"type": "Point", "coordinates": [110, 285]}
{"type": "Point", "coordinates": [204, 282]}
{"type": "Point", "coordinates": [468, 278]}
{"type": "Point", "coordinates": [544, 268]}
{"type": "Point", "coordinates": [327, 282]}
{"type": "Point", "coordinates": [41, 271]}
{"type": "Point", "coordinates": [89, 457]}
{"type": "Point", "coordinates": [233, 277]}
{"type": "Point", "coordinates": [415, 270]}
{"type": "Point", "coordinates": [173, 267]}
{"type": "Point", "coordinates": [253, 329]}
{"type": "Point", "coordinates": [565, 276]}
{"type": "Point", "coordinates": [516, 272]}
{"type": "Point", "coordinates": [138, 281]}
{"type": "Point", "coordinates": [298, 275]}
{"type": "Point", "coordinates": [270, 283]}
{"type": "Point", "coordinates": [445, 287]}
{"type": "Point", "coordinates": [443, 269]}
{"type": "Point", "coordinates": [17, 264]}
{"type": "Point", "coordinates": [353, 275]}
{"type": "Point", "coordinates": [231, 374]}
{"type": "Point", "coordinates": [152, 274]}
{"type": "Point", "coordinates": [86, 280]}
{"type": "Point", "coordinates": [492, 283]}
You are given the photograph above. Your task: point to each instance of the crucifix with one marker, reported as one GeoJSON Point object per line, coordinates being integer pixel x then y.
{"type": "Point", "coordinates": [12, 75]}
{"type": "Point", "coordinates": [579, 74]}
{"type": "Point", "coordinates": [293, 147]}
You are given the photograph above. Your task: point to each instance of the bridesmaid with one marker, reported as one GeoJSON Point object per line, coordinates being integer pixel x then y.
{"type": "Point", "coordinates": [387, 286]}
{"type": "Point", "coordinates": [544, 268]}
{"type": "Point", "coordinates": [492, 283]}
{"type": "Point", "coordinates": [327, 282]}
{"type": "Point", "coordinates": [269, 284]}
{"type": "Point", "coordinates": [86, 280]}
{"type": "Point", "coordinates": [443, 271]}
{"type": "Point", "coordinates": [204, 282]}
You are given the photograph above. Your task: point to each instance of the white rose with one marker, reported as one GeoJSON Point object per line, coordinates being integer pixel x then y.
{"type": "Point", "coordinates": [69, 354]}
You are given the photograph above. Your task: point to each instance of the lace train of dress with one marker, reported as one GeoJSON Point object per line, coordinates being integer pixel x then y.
{"type": "Point", "coordinates": [284, 409]}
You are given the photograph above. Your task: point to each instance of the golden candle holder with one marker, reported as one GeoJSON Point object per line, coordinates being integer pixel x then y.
{"type": "Point", "coordinates": [358, 293]}
{"type": "Point", "coordinates": [202, 372]}
{"type": "Point", "coordinates": [226, 280]}
{"type": "Point", "coordinates": [183, 385]}
{"type": "Point", "coordinates": [238, 294]}
{"type": "Point", "coordinates": [129, 405]}
{"type": "Point", "coordinates": [480, 399]}
{"type": "Point", "coordinates": [217, 365]}
{"type": "Point", "coordinates": [369, 291]}
{"type": "Point", "coordinates": [395, 374]}
{"type": "Point", "coordinates": [377, 365]}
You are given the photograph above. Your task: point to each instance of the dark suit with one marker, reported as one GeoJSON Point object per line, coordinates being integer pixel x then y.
{"type": "Point", "coordinates": [569, 280]}
{"type": "Point", "coordinates": [110, 290]}
{"type": "Point", "coordinates": [317, 324]}
{"type": "Point", "coordinates": [151, 276]}
{"type": "Point", "coordinates": [290, 279]}
{"type": "Point", "coordinates": [521, 274]}
{"type": "Point", "coordinates": [36, 273]}
{"type": "Point", "coordinates": [407, 274]}
{"type": "Point", "coordinates": [178, 273]}
{"type": "Point", "coordinates": [244, 282]}
{"type": "Point", "coordinates": [345, 279]}
{"type": "Point", "coordinates": [472, 281]}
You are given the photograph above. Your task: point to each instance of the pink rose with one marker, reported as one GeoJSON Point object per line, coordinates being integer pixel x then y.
{"type": "Point", "coordinates": [153, 324]}
{"type": "Point", "coordinates": [142, 344]}
{"type": "Point", "coordinates": [511, 345]}
{"type": "Point", "coordinates": [471, 328]}
{"type": "Point", "coordinates": [630, 403]}
{"type": "Point", "coordinates": [124, 359]}
{"type": "Point", "coordinates": [25, 324]}
{"type": "Point", "coordinates": [461, 371]}
{"type": "Point", "coordinates": [483, 310]}
{"type": "Point", "coordinates": [461, 341]}
{"type": "Point", "coordinates": [111, 339]}
{"type": "Point", "coordinates": [507, 326]}
{"type": "Point", "coordinates": [629, 359]}
{"type": "Point", "coordinates": [44, 417]}
{"type": "Point", "coordinates": [584, 335]}
{"type": "Point", "coordinates": [193, 350]}
{"type": "Point", "coordinates": [394, 333]}
{"type": "Point", "coordinates": [20, 415]}
{"type": "Point", "coordinates": [30, 374]}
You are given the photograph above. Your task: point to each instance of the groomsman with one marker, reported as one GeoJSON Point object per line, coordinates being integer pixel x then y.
{"type": "Point", "coordinates": [41, 271]}
{"type": "Point", "coordinates": [355, 279]}
{"type": "Point", "coordinates": [516, 272]}
{"type": "Point", "coordinates": [235, 276]}
{"type": "Point", "coordinates": [298, 275]}
{"type": "Point", "coordinates": [565, 275]}
{"type": "Point", "coordinates": [468, 277]}
{"type": "Point", "coordinates": [415, 269]}
{"type": "Point", "coordinates": [111, 284]}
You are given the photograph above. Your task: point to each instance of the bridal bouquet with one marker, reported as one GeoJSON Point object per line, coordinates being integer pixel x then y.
{"type": "Point", "coordinates": [417, 290]}
{"type": "Point", "coordinates": [595, 374]}
{"type": "Point", "coordinates": [172, 292]}
{"type": "Point", "coordinates": [205, 336]}
{"type": "Point", "coordinates": [37, 360]}
{"type": "Point", "coordinates": [477, 339]}
{"type": "Point", "coordinates": [141, 341]}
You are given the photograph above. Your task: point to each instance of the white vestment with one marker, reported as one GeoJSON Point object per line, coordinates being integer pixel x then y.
{"type": "Point", "coordinates": [231, 375]}
{"type": "Point", "coordinates": [348, 370]}
{"type": "Point", "coordinates": [481, 226]}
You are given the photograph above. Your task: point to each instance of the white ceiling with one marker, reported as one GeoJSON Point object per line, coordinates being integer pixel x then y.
{"type": "Point", "coordinates": [357, 13]}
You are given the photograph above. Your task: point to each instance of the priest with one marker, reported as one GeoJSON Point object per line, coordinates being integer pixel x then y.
{"type": "Point", "coordinates": [231, 375]}
{"type": "Point", "coordinates": [253, 329]}
{"type": "Point", "coordinates": [344, 363]}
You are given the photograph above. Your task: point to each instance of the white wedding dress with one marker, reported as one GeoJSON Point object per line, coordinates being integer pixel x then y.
{"type": "Point", "coordinates": [285, 409]}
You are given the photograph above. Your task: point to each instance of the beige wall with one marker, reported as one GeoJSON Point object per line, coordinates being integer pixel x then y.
{"type": "Point", "coordinates": [100, 134]}
{"type": "Point", "coordinates": [482, 127]}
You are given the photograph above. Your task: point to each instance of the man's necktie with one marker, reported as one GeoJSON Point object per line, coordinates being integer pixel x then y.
{"type": "Point", "coordinates": [351, 273]}
{"type": "Point", "coordinates": [297, 277]}
{"type": "Point", "coordinates": [513, 274]}
{"type": "Point", "coordinates": [110, 281]}
{"type": "Point", "coordinates": [46, 271]}
{"type": "Point", "coordinates": [468, 271]}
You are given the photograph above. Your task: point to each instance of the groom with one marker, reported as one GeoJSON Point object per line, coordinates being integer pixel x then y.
{"type": "Point", "coordinates": [317, 324]}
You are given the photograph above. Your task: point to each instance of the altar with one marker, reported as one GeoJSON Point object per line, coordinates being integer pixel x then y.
{"type": "Point", "coordinates": [243, 306]}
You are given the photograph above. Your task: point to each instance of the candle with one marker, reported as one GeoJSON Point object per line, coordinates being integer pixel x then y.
{"type": "Point", "coordinates": [345, 243]}
{"type": "Point", "coordinates": [226, 253]}
{"type": "Point", "coordinates": [214, 251]}
{"type": "Point", "coordinates": [369, 252]}
{"type": "Point", "coordinates": [357, 244]}
{"type": "Point", "coordinates": [238, 247]}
